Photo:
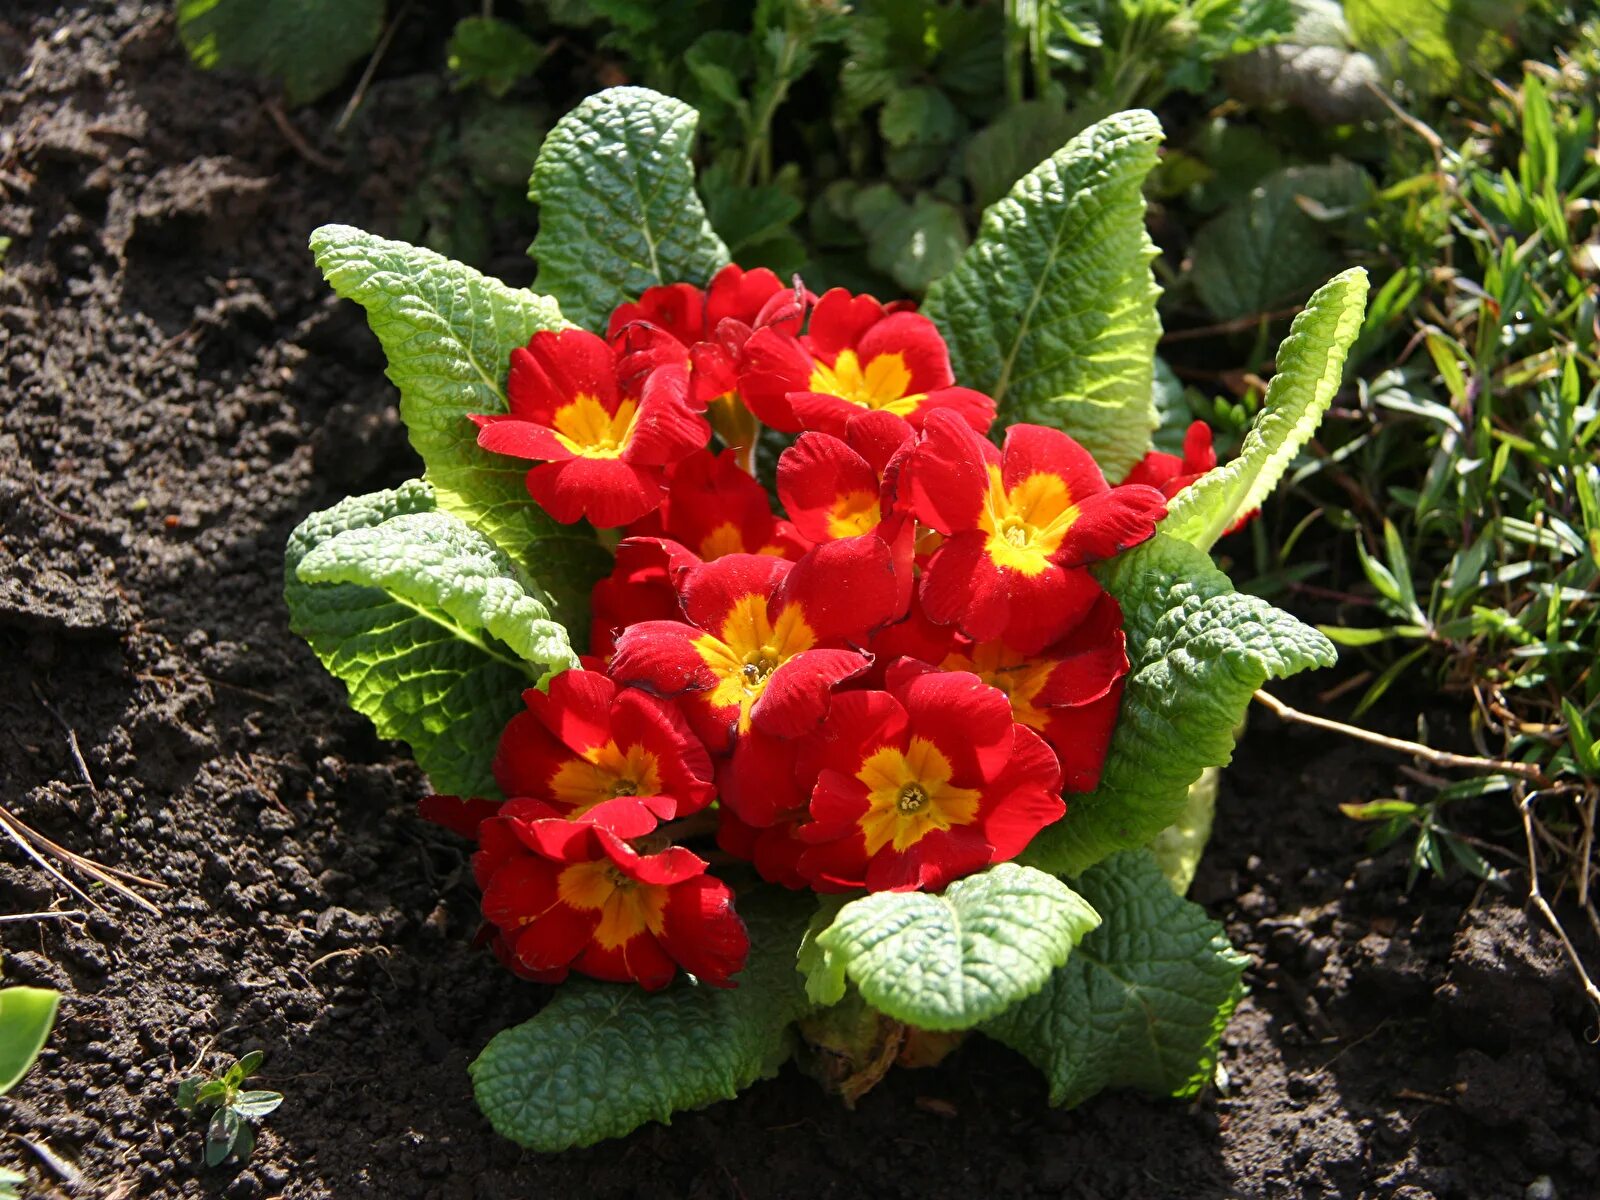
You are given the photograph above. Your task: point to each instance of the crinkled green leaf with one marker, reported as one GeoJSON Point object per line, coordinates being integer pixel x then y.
{"type": "Point", "coordinates": [1052, 311]}
{"type": "Point", "coordinates": [1198, 650]}
{"type": "Point", "coordinates": [1266, 248]}
{"type": "Point", "coordinates": [1434, 45]}
{"type": "Point", "coordinates": [1310, 367]}
{"type": "Point", "coordinates": [1143, 1000]}
{"type": "Point", "coordinates": [427, 623]}
{"type": "Point", "coordinates": [26, 1016]}
{"type": "Point", "coordinates": [601, 1059]}
{"type": "Point", "coordinates": [950, 961]}
{"type": "Point", "coordinates": [448, 333]}
{"type": "Point", "coordinates": [306, 45]}
{"type": "Point", "coordinates": [618, 212]}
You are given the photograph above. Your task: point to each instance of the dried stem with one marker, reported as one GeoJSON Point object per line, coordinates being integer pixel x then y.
{"type": "Point", "coordinates": [1437, 758]}
{"type": "Point", "coordinates": [36, 845]}
{"type": "Point", "coordinates": [1536, 898]}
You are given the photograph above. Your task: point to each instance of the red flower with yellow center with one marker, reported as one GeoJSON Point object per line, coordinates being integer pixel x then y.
{"type": "Point", "coordinates": [766, 639]}
{"type": "Point", "coordinates": [856, 356]}
{"type": "Point", "coordinates": [1171, 474]}
{"type": "Point", "coordinates": [586, 742]}
{"type": "Point", "coordinates": [922, 784]}
{"type": "Point", "coordinates": [580, 895]}
{"type": "Point", "coordinates": [603, 450]}
{"type": "Point", "coordinates": [714, 507]}
{"type": "Point", "coordinates": [1017, 524]}
{"type": "Point", "coordinates": [1069, 692]}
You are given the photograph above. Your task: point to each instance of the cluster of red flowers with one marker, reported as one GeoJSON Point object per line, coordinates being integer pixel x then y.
{"type": "Point", "coordinates": [889, 687]}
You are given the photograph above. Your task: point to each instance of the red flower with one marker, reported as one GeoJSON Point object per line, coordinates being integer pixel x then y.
{"type": "Point", "coordinates": [707, 331]}
{"type": "Point", "coordinates": [585, 743]}
{"type": "Point", "coordinates": [694, 319]}
{"type": "Point", "coordinates": [764, 795]}
{"type": "Point", "coordinates": [577, 895]}
{"type": "Point", "coordinates": [714, 508]}
{"type": "Point", "coordinates": [1172, 474]}
{"type": "Point", "coordinates": [1017, 524]}
{"type": "Point", "coordinates": [856, 356]}
{"type": "Point", "coordinates": [922, 784]}
{"type": "Point", "coordinates": [835, 489]}
{"type": "Point", "coordinates": [603, 448]}
{"type": "Point", "coordinates": [766, 638]}
{"type": "Point", "coordinates": [1069, 693]}
{"type": "Point", "coordinates": [639, 588]}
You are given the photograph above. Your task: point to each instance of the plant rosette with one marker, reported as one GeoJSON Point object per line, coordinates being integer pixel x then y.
{"type": "Point", "coordinates": [852, 759]}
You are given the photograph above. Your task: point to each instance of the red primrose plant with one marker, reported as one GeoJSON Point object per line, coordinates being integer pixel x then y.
{"type": "Point", "coordinates": [791, 661]}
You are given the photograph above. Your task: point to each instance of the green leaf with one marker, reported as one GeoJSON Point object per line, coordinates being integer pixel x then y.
{"type": "Point", "coordinates": [491, 53]}
{"type": "Point", "coordinates": [919, 243]}
{"type": "Point", "coordinates": [257, 1104]}
{"type": "Point", "coordinates": [1310, 369]}
{"type": "Point", "coordinates": [1178, 847]}
{"type": "Point", "coordinates": [189, 1093]}
{"type": "Point", "coordinates": [1315, 68]}
{"type": "Point", "coordinates": [1268, 248]}
{"type": "Point", "coordinates": [448, 333]}
{"type": "Point", "coordinates": [1434, 46]}
{"type": "Point", "coordinates": [426, 622]}
{"type": "Point", "coordinates": [919, 116]}
{"type": "Point", "coordinates": [618, 211]}
{"type": "Point", "coordinates": [602, 1059]}
{"type": "Point", "coordinates": [1198, 651]}
{"type": "Point", "coordinates": [221, 1134]}
{"type": "Point", "coordinates": [951, 961]}
{"type": "Point", "coordinates": [306, 45]}
{"type": "Point", "coordinates": [26, 1017]}
{"type": "Point", "coordinates": [1012, 144]}
{"type": "Point", "coordinates": [1143, 1000]}
{"type": "Point", "coordinates": [1052, 311]}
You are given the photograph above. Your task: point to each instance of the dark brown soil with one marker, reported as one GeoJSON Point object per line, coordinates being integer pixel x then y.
{"type": "Point", "coordinates": [179, 391]}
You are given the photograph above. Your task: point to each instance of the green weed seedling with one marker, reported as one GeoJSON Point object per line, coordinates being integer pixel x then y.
{"type": "Point", "coordinates": [232, 1128]}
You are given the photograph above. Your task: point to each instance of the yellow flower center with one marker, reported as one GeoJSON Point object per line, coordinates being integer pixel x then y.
{"type": "Point", "coordinates": [909, 795]}
{"type": "Point", "coordinates": [589, 431]}
{"type": "Point", "coordinates": [1026, 524]}
{"type": "Point", "coordinates": [1012, 673]}
{"type": "Point", "coordinates": [883, 383]}
{"type": "Point", "coordinates": [854, 513]}
{"type": "Point", "coordinates": [748, 649]}
{"type": "Point", "coordinates": [627, 908]}
{"type": "Point", "coordinates": [603, 773]}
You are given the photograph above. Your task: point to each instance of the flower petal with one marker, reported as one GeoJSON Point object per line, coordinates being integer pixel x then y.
{"type": "Point", "coordinates": [659, 656]}
{"type": "Point", "coordinates": [520, 439]}
{"type": "Point", "coordinates": [945, 476]}
{"type": "Point", "coordinates": [1109, 523]}
{"type": "Point", "coordinates": [839, 321]}
{"type": "Point", "coordinates": [607, 491]}
{"type": "Point", "coordinates": [845, 588]}
{"type": "Point", "coordinates": [666, 428]}
{"type": "Point", "coordinates": [828, 490]}
{"type": "Point", "coordinates": [1027, 797]}
{"type": "Point", "coordinates": [771, 366]}
{"type": "Point", "coordinates": [796, 696]}
{"type": "Point", "coordinates": [459, 814]}
{"type": "Point", "coordinates": [701, 930]}
{"type": "Point", "coordinates": [711, 591]}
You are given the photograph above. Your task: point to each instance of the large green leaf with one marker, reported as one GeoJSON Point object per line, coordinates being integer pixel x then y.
{"type": "Point", "coordinates": [448, 333]}
{"type": "Point", "coordinates": [1198, 651]}
{"type": "Point", "coordinates": [618, 212]}
{"type": "Point", "coordinates": [1309, 370]}
{"type": "Point", "coordinates": [601, 1059]}
{"type": "Point", "coordinates": [1434, 46]}
{"type": "Point", "coordinates": [950, 961]}
{"type": "Point", "coordinates": [1052, 311]}
{"type": "Point", "coordinates": [26, 1015]}
{"type": "Point", "coordinates": [1142, 1001]}
{"type": "Point", "coordinates": [307, 45]}
{"type": "Point", "coordinates": [427, 622]}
